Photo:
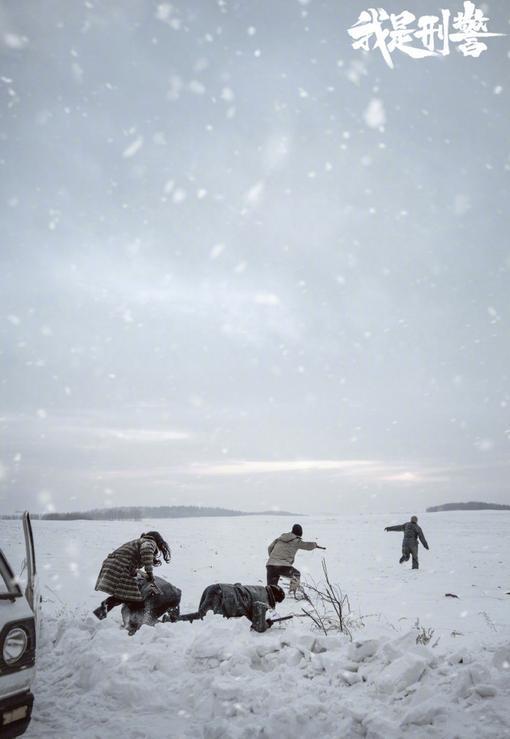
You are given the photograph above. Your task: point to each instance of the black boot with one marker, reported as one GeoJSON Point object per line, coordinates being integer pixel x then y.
{"type": "Point", "coordinates": [101, 611]}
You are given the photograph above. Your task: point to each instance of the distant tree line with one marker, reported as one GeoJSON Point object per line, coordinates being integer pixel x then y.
{"type": "Point", "coordinates": [99, 514]}
{"type": "Point", "coordinates": [137, 513]}
{"type": "Point", "coordinates": [473, 505]}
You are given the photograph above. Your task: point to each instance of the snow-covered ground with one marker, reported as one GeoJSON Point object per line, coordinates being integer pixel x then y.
{"type": "Point", "coordinates": [217, 679]}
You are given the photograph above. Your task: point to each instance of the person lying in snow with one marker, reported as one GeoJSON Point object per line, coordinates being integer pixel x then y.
{"type": "Point", "coordinates": [234, 601]}
{"type": "Point", "coordinates": [282, 552]}
{"type": "Point", "coordinates": [165, 601]}
{"type": "Point", "coordinates": [412, 532]}
{"type": "Point", "coordinates": [118, 571]}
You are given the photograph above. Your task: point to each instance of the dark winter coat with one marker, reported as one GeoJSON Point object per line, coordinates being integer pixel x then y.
{"type": "Point", "coordinates": [158, 603]}
{"type": "Point", "coordinates": [412, 532]}
{"type": "Point", "coordinates": [282, 551]}
{"type": "Point", "coordinates": [118, 572]}
{"type": "Point", "coordinates": [155, 605]}
{"type": "Point", "coordinates": [252, 601]}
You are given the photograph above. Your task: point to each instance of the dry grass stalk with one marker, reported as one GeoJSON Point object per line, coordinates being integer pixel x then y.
{"type": "Point", "coordinates": [328, 607]}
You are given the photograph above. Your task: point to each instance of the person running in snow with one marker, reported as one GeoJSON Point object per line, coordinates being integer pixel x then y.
{"type": "Point", "coordinates": [119, 570]}
{"type": "Point", "coordinates": [282, 552]}
{"type": "Point", "coordinates": [234, 601]}
{"type": "Point", "coordinates": [412, 532]}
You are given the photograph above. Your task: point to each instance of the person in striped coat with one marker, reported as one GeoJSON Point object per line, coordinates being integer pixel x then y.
{"type": "Point", "coordinates": [118, 572]}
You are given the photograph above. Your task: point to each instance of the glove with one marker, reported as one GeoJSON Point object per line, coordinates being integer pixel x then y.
{"type": "Point", "coordinates": [387, 528]}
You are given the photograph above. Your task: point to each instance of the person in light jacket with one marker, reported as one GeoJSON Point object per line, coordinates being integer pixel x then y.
{"type": "Point", "coordinates": [282, 552]}
{"type": "Point", "coordinates": [412, 532]}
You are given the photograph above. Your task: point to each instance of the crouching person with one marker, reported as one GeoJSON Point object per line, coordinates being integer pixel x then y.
{"type": "Point", "coordinates": [118, 575]}
{"type": "Point", "coordinates": [234, 601]}
{"type": "Point", "coordinates": [165, 601]}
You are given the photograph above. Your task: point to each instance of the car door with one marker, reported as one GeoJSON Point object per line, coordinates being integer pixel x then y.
{"type": "Point", "coordinates": [32, 590]}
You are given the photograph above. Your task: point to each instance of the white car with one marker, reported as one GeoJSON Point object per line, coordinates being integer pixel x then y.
{"type": "Point", "coordinates": [19, 621]}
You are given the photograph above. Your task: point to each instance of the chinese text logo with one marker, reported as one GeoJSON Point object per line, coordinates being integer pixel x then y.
{"type": "Point", "coordinates": [390, 31]}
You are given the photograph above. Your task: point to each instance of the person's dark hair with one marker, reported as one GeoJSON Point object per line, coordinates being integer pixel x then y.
{"type": "Point", "coordinates": [297, 529]}
{"type": "Point", "coordinates": [414, 519]}
{"type": "Point", "coordinates": [162, 546]}
{"type": "Point", "coordinates": [278, 593]}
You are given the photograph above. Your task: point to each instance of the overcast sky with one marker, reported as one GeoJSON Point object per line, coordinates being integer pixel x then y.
{"type": "Point", "coordinates": [244, 264]}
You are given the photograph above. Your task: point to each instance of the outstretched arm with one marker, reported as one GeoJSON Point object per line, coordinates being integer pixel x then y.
{"type": "Point", "coordinates": [258, 619]}
{"type": "Point", "coordinates": [147, 552]}
{"type": "Point", "coordinates": [400, 527]}
{"type": "Point", "coordinates": [422, 538]}
{"type": "Point", "coordinates": [309, 545]}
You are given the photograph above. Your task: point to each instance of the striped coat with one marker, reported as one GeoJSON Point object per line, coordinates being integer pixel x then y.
{"type": "Point", "coordinates": [118, 572]}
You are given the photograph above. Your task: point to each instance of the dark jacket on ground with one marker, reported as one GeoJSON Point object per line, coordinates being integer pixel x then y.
{"type": "Point", "coordinates": [233, 601]}
{"type": "Point", "coordinates": [155, 605]}
{"type": "Point", "coordinates": [412, 532]}
{"type": "Point", "coordinates": [117, 575]}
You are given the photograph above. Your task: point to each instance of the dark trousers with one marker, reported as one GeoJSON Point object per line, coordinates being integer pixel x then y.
{"type": "Point", "coordinates": [410, 550]}
{"type": "Point", "coordinates": [274, 572]}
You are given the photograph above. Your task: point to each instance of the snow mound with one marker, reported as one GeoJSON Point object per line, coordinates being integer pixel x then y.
{"type": "Point", "coordinates": [219, 679]}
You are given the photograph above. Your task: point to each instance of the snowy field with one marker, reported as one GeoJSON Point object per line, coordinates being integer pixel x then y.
{"type": "Point", "coordinates": [216, 679]}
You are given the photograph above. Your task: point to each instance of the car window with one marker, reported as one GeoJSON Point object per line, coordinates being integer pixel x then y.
{"type": "Point", "coordinates": [7, 578]}
{"type": "Point", "coordinates": [3, 584]}
{"type": "Point", "coordinates": [13, 547]}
